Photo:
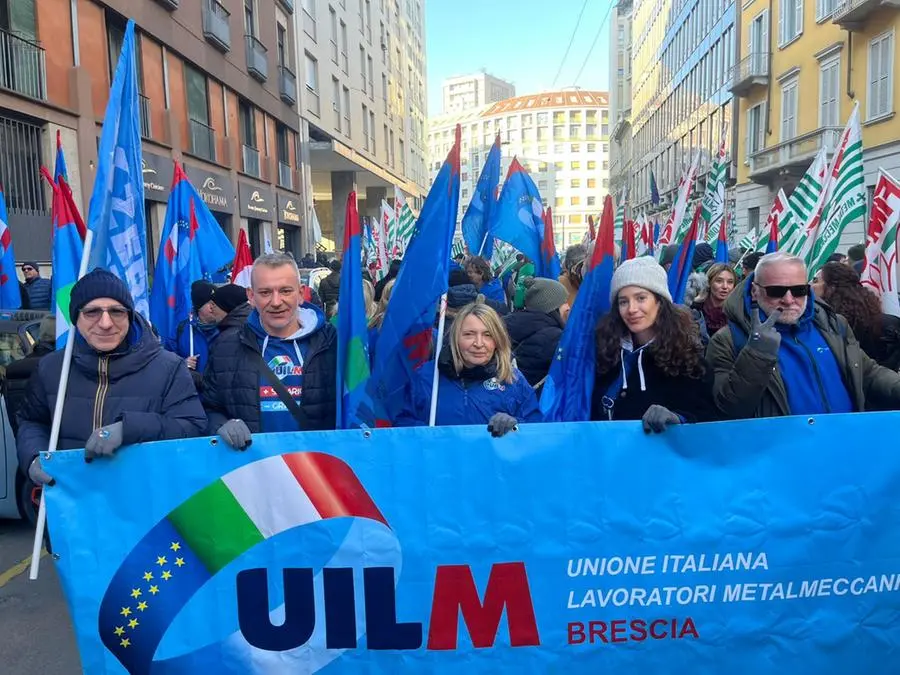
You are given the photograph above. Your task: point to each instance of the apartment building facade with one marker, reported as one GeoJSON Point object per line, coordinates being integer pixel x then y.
{"type": "Point", "coordinates": [471, 91]}
{"type": "Point", "coordinates": [620, 160]}
{"type": "Point", "coordinates": [682, 53]}
{"type": "Point", "coordinates": [217, 92]}
{"type": "Point", "coordinates": [561, 138]}
{"type": "Point", "coordinates": [362, 105]}
{"type": "Point", "coordinates": [803, 65]}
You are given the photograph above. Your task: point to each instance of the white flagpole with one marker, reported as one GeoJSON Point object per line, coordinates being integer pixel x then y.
{"type": "Point", "coordinates": [483, 244]}
{"type": "Point", "coordinates": [191, 334]}
{"type": "Point", "coordinates": [57, 418]}
{"type": "Point", "coordinates": [432, 415]}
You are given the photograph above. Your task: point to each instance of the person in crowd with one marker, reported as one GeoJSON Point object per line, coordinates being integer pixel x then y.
{"type": "Point", "coordinates": [697, 287]}
{"type": "Point", "coordinates": [650, 363]}
{"type": "Point", "coordinates": [38, 289]}
{"type": "Point", "coordinates": [308, 261]}
{"type": "Point", "coordinates": [19, 372]}
{"type": "Point", "coordinates": [878, 334]}
{"type": "Point", "coordinates": [377, 318]}
{"type": "Point", "coordinates": [668, 256]}
{"type": "Point", "coordinates": [369, 299]}
{"type": "Point", "coordinates": [573, 271]}
{"type": "Point", "coordinates": [330, 288]}
{"type": "Point", "coordinates": [525, 269]}
{"type": "Point", "coordinates": [457, 262]}
{"type": "Point", "coordinates": [703, 257]}
{"type": "Point", "coordinates": [536, 330]}
{"type": "Point", "coordinates": [25, 302]}
{"type": "Point", "coordinates": [123, 386]}
{"type": "Point", "coordinates": [477, 381]}
{"type": "Point", "coordinates": [284, 341]}
{"type": "Point", "coordinates": [856, 254]}
{"type": "Point", "coordinates": [231, 309]}
{"type": "Point", "coordinates": [751, 260]}
{"type": "Point", "coordinates": [461, 292]}
{"type": "Point", "coordinates": [839, 258]}
{"type": "Point", "coordinates": [785, 354]}
{"type": "Point", "coordinates": [203, 323]}
{"type": "Point", "coordinates": [708, 310]}
{"type": "Point", "coordinates": [480, 274]}
{"type": "Point", "coordinates": [393, 271]}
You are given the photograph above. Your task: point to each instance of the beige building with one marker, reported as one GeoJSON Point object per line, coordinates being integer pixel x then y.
{"type": "Point", "coordinates": [471, 91]}
{"type": "Point", "coordinates": [620, 161]}
{"type": "Point", "coordinates": [362, 107]}
{"type": "Point", "coordinates": [560, 137]}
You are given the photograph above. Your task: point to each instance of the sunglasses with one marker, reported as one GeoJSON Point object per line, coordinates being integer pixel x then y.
{"type": "Point", "coordinates": [115, 313]}
{"type": "Point", "coordinates": [798, 291]}
{"type": "Point", "coordinates": [28, 269]}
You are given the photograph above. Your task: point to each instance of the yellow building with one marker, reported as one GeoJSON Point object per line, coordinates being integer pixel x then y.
{"type": "Point", "coordinates": [802, 65]}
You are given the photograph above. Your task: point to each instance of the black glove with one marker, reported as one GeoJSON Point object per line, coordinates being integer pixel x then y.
{"type": "Point", "coordinates": [657, 419]}
{"type": "Point", "coordinates": [764, 337]}
{"type": "Point", "coordinates": [236, 434]}
{"type": "Point", "coordinates": [103, 442]}
{"type": "Point", "coordinates": [501, 424]}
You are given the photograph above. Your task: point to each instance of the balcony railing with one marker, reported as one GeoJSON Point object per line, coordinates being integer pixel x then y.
{"type": "Point", "coordinates": [146, 128]}
{"type": "Point", "coordinates": [792, 156]}
{"type": "Point", "coordinates": [749, 72]}
{"type": "Point", "coordinates": [287, 85]}
{"type": "Point", "coordinates": [852, 14]}
{"type": "Point", "coordinates": [216, 27]}
{"type": "Point", "coordinates": [203, 140]}
{"type": "Point", "coordinates": [251, 160]}
{"type": "Point", "coordinates": [288, 5]}
{"type": "Point", "coordinates": [312, 102]}
{"type": "Point", "coordinates": [169, 4]}
{"type": "Point", "coordinates": [285, 176]}
{"type": "Point", "coordinates": [23, 67]}
{"type": "Point", "coordinates": [257, 59]}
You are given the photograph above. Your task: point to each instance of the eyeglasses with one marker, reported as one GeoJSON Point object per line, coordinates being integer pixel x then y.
{"type": "Point", "coordinates": [115, 313]}
{"type": "Point", "coordinates": [798, 291]}
{"type": "Point", "coordinates": [28, 269]}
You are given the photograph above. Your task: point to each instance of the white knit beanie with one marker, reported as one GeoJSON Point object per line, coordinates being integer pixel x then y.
{"type": "Point", "coordinates": [644, 272]}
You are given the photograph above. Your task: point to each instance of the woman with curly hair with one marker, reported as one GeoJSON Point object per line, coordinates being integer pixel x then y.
{"type": "Point", "coordinates": [878, 334]}
{"type": "Point", "coordinates": [650, 364]}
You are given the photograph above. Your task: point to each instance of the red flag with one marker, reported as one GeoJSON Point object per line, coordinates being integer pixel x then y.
{"type": "Point", "coordinates": [591, 227]}
{"type": "Point", "coordinates": [243, 262]}
{"type": "Point", "coordinates": [628, 253]}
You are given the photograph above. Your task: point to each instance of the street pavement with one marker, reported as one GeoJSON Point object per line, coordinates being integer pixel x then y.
{"type": "Point", "coordinates": [36, 635]}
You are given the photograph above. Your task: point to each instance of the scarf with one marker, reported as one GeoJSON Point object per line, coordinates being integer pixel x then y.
{"type": "Point", "coordinates": [715, 317]}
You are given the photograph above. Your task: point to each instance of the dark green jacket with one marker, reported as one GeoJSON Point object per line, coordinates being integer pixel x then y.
{"type": "Point", "coordinates": [749, 384]}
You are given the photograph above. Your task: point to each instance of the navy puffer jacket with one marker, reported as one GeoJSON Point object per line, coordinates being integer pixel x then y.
{"type": "Point", "coordinates": [233, 377]}
{"type": "Point", "coordinates": [535, 337]}
{"type": "Point", "coordinates": [140, 384]}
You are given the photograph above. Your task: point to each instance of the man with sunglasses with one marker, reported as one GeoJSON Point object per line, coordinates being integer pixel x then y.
{"type": "Point", "coordinates": [37, 288]}
{"type": "Point", "coordinates": [783, 353]}
{"type": "Point", "coordinates": [123, 386]}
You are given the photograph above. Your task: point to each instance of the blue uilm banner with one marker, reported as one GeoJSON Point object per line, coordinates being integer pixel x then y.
{"type": "Point", "coordinates": [748, 547]}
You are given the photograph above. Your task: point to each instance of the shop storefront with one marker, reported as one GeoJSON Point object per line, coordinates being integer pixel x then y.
{"type": "Point", "coordinates": [258, 210]}
{"type": "Point", "coordinates": [157, 171]}
{"type": "Point", "coordinates": [289, 237]}
{"type": "Point", "coordinates": [217, 191]}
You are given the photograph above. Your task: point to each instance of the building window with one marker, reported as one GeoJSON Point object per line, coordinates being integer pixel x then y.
{"type": "Point", "coordinates": [559, 202]}
{"type": "Point", "coordinates": [247, 122]}
{"type": "Point", "coordinates": [591, 183]}
{"type": "Point", "coordinates": [829, 92]}
{"type": "Point", "coordinates": [881, 76]}
{"type": "Point", "coordinates": [592, 165]}
{"type": "Point", "coordinates": [345, 60]}
{"type": "Point", "coordinates": [365, 119]}
{"type": "Point", "coordinates": [465, 194]}
{"type": "Point", "coordinates": [753, 219]}
{"type": "Point", "coordinates": [334, 34]}
{"type": "Point", "coordinates": [197, 95]}
{"type": "Point", "coordinates": [345, 108]}
{"type": "Point", "coordinates": [790, 21]}
{"type": "Point", "coordinates": [372, 130]}
{"type": "Point", "coordinates": [558, 166]}
{"type": "Point", "coordinates": [281, 139]}
{"type": "Point", "coordinates": [825, 8]}
{"type": "Point", "coordinates": [576, 147]}
{"type": "Point", "coordinates": [756, 129]}
{"type": "Point", "coordinates": [250, 17]}
{"type": "Point", "coordinates": [362, 67]}
{"type": "Point", "coordinates": [336, 102]}
{"type": "Point", "coordinates": [575, 201]}
{"type": "Point", "coordinates": [575, 166]}
{"type": "Point", "coordinates": [789, 91]}
{"type": "Point", "coordinates": [559, 148]}
{"type": "Point", "coordinates": [312, 74]}
{"type": "Point", "coordinates": [592, 147]}
{"type": "Point", "coordinates": [542, 185]}
{"type": "Point", "coordinates": [591, 201]}
{"type": "Point", "coordinates": [575, 183]}
{"type": "Point", "coordinates": [371, 77]}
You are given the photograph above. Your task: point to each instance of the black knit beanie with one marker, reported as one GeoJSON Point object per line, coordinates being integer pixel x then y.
{"type": "Point", "coordinates": [98, 284]}
{"type": "Point", "coordinates": [201, 293]}
{"type": "Point", "coordinates": [229, 297]}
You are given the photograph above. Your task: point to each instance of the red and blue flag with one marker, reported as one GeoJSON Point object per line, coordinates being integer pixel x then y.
{"type": "Point", "coordinates": [405, 342]}
{"type": "Point", "coordinates": [570, 384]}
{"type": "Point", "coordinates": [10, 296]}
{"type": "Point", "coordinates": [722, 243]}
{"type": "Point", "coordinates": [682, 266]}
{"type": "Point", "coordinates": [354, 403]}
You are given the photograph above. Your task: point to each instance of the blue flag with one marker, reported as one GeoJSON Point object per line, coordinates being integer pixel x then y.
{"type": "Point", "coordinates": [476, 224]}
{"type": "Point", "coordinates": [520, 222]}
{"type": "Point", "coordinates": [10, 296]}
{"type": "Point", "coordinates": [214, 249]}
{"type": "Point", "coordinates": [404, 344]}
{"type": "Point", "coordinates": [354, 404]}
{"type": "Point", "coordinates": [116, 213]}
{"type": "Point", "coordinates": [570, 384]}
{"type": "Point", "coordinates": [178, 262]}
{"type": "Point", "coordinates": [60, 171]}
{"type": "Point", "coordinates": [722, 243]}
{"type": "Point", "coordinates": [682, 266]}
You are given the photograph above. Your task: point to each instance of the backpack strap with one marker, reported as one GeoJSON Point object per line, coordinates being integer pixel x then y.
{"type": "Point", "coordinates": [738, 337]}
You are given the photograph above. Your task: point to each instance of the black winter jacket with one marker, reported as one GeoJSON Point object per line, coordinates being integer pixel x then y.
{"type": "Point", "coordinates": [140, 384]}
{"type": "Point", "coordinates": [535, 337]}
{"type": "Point", "coordinates": [17, 375]}
{"type": "Point", "coordinates": [686, 396]}
{"type": "Point", "coordinates": [329, 288]}
{"type": "Point", "coordinates": [232, 379]}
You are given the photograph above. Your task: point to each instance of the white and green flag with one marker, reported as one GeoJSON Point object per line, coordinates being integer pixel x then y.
{"type": "Point", "coordinates": [403, 224]}
{"type": "Point", "coordinates": [712, 209]}
{"type": "Point", "coordinates": [879, 272]}
{"type": "Point", "coordinates": [845, 196]}
{"type": "Point", "coordinates": [780, 220]}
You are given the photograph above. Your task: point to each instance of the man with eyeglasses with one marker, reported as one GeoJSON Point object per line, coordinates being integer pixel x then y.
{"type": "Point", "coordinates": [123, 386]}
{"type": "Point", "coordinates": [783, 353]}
{"type": "Point", "coordinates": [37, 288]}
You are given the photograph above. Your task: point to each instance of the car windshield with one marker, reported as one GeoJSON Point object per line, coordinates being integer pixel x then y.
{"type": "Point", "coordinates": [10, 348]}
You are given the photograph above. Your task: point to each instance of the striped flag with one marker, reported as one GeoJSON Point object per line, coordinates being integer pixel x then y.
{"type": "Point", "coordinates": [379, 238]}
{"type": "Point", "coordinates": [804, 201]}
{"type": "Point", "coordinates": [712, 210]}
{"type": "Point", "coordinates": [680, 213]}
{"type": "Point", "coordinates": [405, 222]}
{"type": "Point", "coordinates": [845, 199]}
{"type": "Point", "coordinates": [459, 247]}
{"type": "Point", "coordinates": [504, 258]}
{"type": "Point", "coordinates": [748, 241]}
{"type": "Point", "coordinates": [879, 272]}
{"type": "Point", "coordinates": [619, 222]}
{"type": "Point", "coordinates": [243, 262]}
{"type": "Point", "coordinates": [780, 221]}
{"type": "Point", "coordinates": [210, 530]}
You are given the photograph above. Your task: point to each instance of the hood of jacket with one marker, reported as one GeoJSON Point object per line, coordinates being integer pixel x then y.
{"type": "Point", "coordinates": [526, 323]}
{"type": "Point", "coordinates": [312, 320]}
{"type": "Point", "coordinates": [137, 350]}
{"type": "Point", "coordinates": [237, 317]}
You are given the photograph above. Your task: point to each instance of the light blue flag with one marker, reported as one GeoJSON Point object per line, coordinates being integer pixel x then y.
{"type": "Point", "coordinates": [116, 213]}
{"type": "Point", "coordinates": [10, 297]}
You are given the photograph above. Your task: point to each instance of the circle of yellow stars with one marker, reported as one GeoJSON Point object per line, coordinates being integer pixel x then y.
{"type": "Point", "coordinates": [152, 588]}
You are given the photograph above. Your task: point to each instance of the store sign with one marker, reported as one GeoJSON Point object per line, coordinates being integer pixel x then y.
{"type": "Point", "coordinates": [157, 171]}
{"type": "Point", "coordinates": [256, 202]}
{"type": "Point", "coordinates": [288, 209]}
{"type": "Point", "coordinates": [215, 189]}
